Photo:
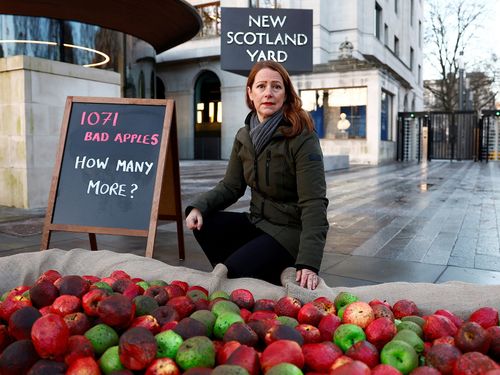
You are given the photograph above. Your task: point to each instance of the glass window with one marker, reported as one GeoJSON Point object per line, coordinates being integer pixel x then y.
{"type": "Point", "coordinates": [396, 45]}
{"type": "Point", "coordinates": [386, 34]}
{"type": "Point", "coordinates": [378, 20]}
{"type": "Point", "coordinates": [337, 113]}
{"type": "Point", "coordinates": [265, 4]}
{"type": "Point", "coordinates": [210, 15]}
{"type": "Point", "coordinates": [386, 116]}
{"type": "Point", "coordinates": [412, 57]}
{"type": "Point", "coordinates": [396, 3]}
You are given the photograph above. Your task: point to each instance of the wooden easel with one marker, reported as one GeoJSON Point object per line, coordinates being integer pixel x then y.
{"type": "Point", "coordinates": [166, 198]}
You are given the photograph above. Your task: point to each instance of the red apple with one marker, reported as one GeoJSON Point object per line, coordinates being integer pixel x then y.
{"type": "Point", "coordinates": [358, 313]}
{"type": "Point", "coordinates": [50, 336]}
{"type": "Point", "coordinates": [20, 324]}
{"type": "Point", "coordinates": [43, 293]}
{"type": "Point", "coordinates": [91, 299]}
{"type": "Point", "coordinates": [264, 304]}
{"type": "Point", "coordinates": [12, 303]}
{"type": "Point", "coordinates": [137, 348]}
{"type": "Point", "coordinates": [163, 366]}
{"type": "Point", "coordinates": [49, 275]}
{"type": "Point", "coordinates": [73, 285]}
{"type": "Point", "coordinates": [365, 352]}
{"type": "Point", "coordinates": [455, 319]}
{"type": "Point", "coordinates": [78, 323]}
{"type": "Point", "coordinates": [425, 370]}
{"type": "Point", "coordinates": [309, 333]}
{"type": "Point", "coordinates": [494, 350]}
{"type": "Point", "coordinates": [119, 274]}
{"type": "Point", "coordinates": [78, 347]}
{"type": "Point", "coordinates": [327, 326]}
{"type": "Point", "coordinates": [282, 351]}
{"type": "Point", "coordinates": [326, 304]}
{"type": "Point", "coordinates": [404, 308]}
{"type": "Point", "coordinates": [437, 326]}
{"type": "Point", "coordinates": [287, 306]}
{"type": "Point", "coordinates": [225, 351]}
{"type": "Point", "coordinates": [443, 357]}
{"type": "Point", "coordinates": [262, 315]}
{"type": "Point", "coordinates": [198, 287]}
{"type": "Point", "coordinates": [473, 363]}
{"type": "Point", "coordinates": [147, 321]}
{"type": "Point", "coordinates": [158, 293]}
{"type": "Point", "coordinates": [471, 337]}
{"type": "Point", "coordinates": [383, 369]}
{"type": "Point", "coordinates": [183, 305]}
{"type": "Point", "coordinates": [5, 338]}
{"type": "Point", "coordinates": [243, 298]}
{"type": "Point", "coordinates": [85, 365]}
{"type": "Point", "coordinates": [376, 301]}
{"type": "Point", "coordinates": [320, 356]}
{"type": "Point", "coordinates": [382, 311]}
{"type": "Point", "coordinates": [182, 284]}
{"type": "Point", "coordinates": [485, 316]}
{"type": "Point", "coordinates": [311, 313]}
{"type": "Point", "coordinates": [380, 332]}
{"type": "Point", "coordinates": [444, 340]}
{"type": "Point", "coordinates": [91, 279]}
{"type": "Point", "coordinates": [174, 291]}
{"type": "Point", "coordinates": [116, 311]}
{"type": "Point", "coordinates": [133, 290]}
{"type": "Point", "coordinates": [352, 368]}
{"type": "Point", "coordinates": [340, 361]}
{"type": "Point", "coordinates": [66, 304]}
{"type": "Point", "coordinates": [246, 357]}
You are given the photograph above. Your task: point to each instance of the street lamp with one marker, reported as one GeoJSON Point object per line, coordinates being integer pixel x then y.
{"type": "Point", "coordinates": [461, 69]}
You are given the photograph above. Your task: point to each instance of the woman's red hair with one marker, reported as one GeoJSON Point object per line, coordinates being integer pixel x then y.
{"type": "Point", "coordinates": [292, 107]}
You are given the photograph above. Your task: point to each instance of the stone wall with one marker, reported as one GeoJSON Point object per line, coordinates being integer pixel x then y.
{"type": "Point", "coordinates": [33, 94]}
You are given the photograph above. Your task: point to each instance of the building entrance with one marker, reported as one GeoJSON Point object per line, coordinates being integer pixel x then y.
{"type": "Point", "coordinates": [208, 117]}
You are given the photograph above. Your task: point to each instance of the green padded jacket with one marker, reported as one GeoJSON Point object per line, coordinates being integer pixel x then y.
{"type": "Point", "coordinates": [288, 191]}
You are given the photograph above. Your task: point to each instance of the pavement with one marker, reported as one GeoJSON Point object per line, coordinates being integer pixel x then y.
{"type": "Point", "coordinates": [431, 222]}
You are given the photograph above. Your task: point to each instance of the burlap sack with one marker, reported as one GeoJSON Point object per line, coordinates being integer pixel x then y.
{"type": "Point", "coordinates": [460, 298]}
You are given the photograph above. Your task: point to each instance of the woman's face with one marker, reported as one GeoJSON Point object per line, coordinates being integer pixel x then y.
{"type": "Point", "coordinates": [267, 93]}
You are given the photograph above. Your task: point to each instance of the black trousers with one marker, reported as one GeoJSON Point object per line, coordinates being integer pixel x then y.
{"type": "Point", "coordinates": [230, 238]}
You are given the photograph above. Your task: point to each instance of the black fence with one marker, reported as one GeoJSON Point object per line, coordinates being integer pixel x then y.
{"type": "Point", "coordinates": [445, 135]}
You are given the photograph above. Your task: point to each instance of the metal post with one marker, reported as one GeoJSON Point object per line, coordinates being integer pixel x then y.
{"type": "Point", "coordinates": [461, 81]}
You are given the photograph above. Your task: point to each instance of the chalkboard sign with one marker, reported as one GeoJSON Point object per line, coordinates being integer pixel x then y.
{"type": "Point", "coordinates": [109, 175]}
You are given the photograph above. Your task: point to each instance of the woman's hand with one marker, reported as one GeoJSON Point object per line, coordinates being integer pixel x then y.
{"type": "Point", "coordinates": [307, 278]}
{"type": "Point", "coordinates": [194, 220]}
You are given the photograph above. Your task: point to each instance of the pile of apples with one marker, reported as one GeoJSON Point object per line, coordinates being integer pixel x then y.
{"type": "Point", "coordinates": [122, 325]}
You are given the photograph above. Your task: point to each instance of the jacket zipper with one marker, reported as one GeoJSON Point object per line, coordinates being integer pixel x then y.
{"type": "Point", "coordinates": [268, 161]}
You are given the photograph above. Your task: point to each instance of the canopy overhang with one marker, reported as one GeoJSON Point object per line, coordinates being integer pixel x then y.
{"type": "Point", "coordinates": [162, 23]}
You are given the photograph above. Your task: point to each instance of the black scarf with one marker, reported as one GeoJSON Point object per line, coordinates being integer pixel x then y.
{"type": "Point", "coordinates": [261, 132]}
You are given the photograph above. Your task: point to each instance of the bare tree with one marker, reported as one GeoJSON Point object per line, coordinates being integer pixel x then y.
{"type": "Point", "coordinates": [450, 28]}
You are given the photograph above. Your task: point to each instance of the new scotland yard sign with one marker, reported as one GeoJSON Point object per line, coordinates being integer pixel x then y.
{"type": "Point", "coordinates": [249, 35]}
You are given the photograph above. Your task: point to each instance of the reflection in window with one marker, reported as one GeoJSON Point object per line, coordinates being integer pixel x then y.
{"type": "Point", "coordinates": [386, 116]}
{"type": "Point", "coordinates": [265, 4]}
{"type": "Point", "coordinates": [337, 113]}
{"type": "Point", "coordinates": [210, 15]}
{"type": "Point", "coordinates": [141, 85]}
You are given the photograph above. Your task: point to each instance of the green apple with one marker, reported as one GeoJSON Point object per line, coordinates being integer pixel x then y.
{"type": "Point", "coordinates": [168, 344]}
{"type": "Point", "coordinates": [399, 354]}
{"type": "Point", "coordinates": [102, 337]}
{"type": "Point", "coordinates": [224, 321]}
{"type": "Point", "coordinates": [110, 360]}
{"type": "Point", "coordinates": [414, 318]}
{"type": "Point", "coordinates": [157, 283]}
{"type": "Point", "coordinates": [143, 284]}
{"type": "Point", "coordinates": [224, 306]}
{"type": "Point", "coordinates": [344, 298]}
{"type": "Point", "coordinates": [229, 369]}
{"type": "Point", "coordinates": [207, 318]}
{"type": "Point", "coordinates": [103, 285]}
{"type": "Point", "coordinates": [197, 351]}
{"type": "Point", "coordinates": [347, 335]}
{"type": "Point", "coordinates": [412, 326]}
{"type": "Point", "coordinates": [284, 369]}
{"type": "Point", "coordinates": [218, 294]}
{"type": "Point", "coordinates": [288, 321]}
{"type": "Point", "coordinates": [410, 337]}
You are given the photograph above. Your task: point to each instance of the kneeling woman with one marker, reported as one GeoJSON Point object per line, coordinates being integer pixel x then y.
{"type": "Point", "coordinates": [278, 155]}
